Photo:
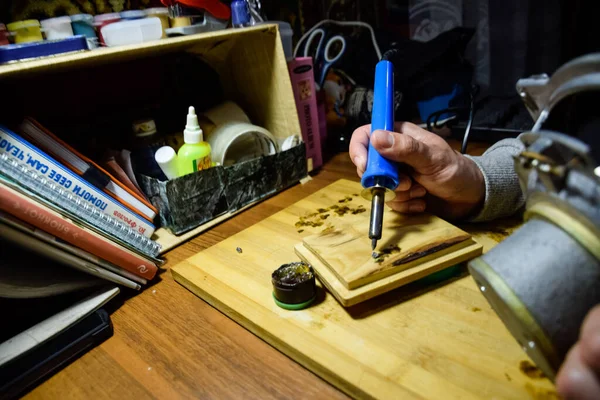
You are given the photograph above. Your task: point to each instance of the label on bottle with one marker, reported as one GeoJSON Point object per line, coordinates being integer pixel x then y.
{"type": "Point", "coordinates": [202, 163]}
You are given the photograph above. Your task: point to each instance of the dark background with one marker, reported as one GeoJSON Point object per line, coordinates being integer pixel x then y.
{"type": "Point", "coordinates": [523, 37]}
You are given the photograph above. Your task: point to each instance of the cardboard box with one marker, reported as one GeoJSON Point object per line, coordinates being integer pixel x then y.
{"type": "Point", "coordinates": [253, 73]}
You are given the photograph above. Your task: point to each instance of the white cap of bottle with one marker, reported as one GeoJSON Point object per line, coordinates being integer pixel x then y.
{"type": "Point", "coordinates": [192, 133]}
{"type": "Point", "coordinates": [167, 160]}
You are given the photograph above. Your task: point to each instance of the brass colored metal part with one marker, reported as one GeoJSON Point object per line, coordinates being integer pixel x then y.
{"type": "Point", "coordinates": [569, 223]}
{"type": "Point", "coordinates": [516, 317]}
{"type": "Point", "coordinates": [369, 192]}
{"type": "Point", "coordinates": [536, 156]}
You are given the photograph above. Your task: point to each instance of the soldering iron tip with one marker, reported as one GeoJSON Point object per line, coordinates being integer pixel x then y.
{"type": "Point", "coordinates": [373, 244]}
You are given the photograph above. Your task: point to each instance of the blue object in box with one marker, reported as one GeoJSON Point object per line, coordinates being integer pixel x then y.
{"type": "Point", "coordinates": [83, 24]}
{"type": "Point", "coordinates": [17, 52]}
{"type": "Point", "coordinates": [438, 103]}
{"type": "Point", "coordinates": [240, 13]}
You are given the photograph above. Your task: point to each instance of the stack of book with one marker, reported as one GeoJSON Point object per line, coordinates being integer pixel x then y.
{"type": "Point", "coordinates": [63, 206]}
{"type": "Point", "coordinates": [69, 232]}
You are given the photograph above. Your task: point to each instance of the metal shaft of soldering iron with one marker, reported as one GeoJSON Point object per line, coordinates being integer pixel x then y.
{"type": "Point", "coordinates": [381, 175]}
{"type": "Point", "coordinates": [376, 223]}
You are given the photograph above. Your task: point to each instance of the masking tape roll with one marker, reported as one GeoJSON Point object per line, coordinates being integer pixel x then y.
{"type": "Point", "coordinates": [233, 138]}
{"type": "Point", "coordinates": [235, 142]}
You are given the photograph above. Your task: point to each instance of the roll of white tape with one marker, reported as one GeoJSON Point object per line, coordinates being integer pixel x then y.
{"type": "Point", "coordinates": [235, 142]}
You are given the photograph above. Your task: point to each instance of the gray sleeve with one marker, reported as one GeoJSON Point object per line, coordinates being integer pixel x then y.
{"type": "Point", "coordinates": [503, 195]}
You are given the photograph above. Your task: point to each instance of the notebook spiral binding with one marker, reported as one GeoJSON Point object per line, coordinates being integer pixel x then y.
{"type": "Point", "coordinates": [54, 193]}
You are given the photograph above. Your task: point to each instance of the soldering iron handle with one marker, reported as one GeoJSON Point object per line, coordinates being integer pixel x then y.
{"type": "Point", "coordinates": [379, 169]}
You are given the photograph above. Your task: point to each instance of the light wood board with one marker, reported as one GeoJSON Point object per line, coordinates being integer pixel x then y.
{"type": "Point", "coordinates": [407, 240]}
{"type": "Point", "coordinates": [418, 341]}
{"type": "Point", "coordinates": [350, 297]}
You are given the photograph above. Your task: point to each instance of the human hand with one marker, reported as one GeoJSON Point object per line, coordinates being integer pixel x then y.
{"type": "Point", "coordinates": [579, 376]}
{"type": "Point", "coordinates": [445, 182]}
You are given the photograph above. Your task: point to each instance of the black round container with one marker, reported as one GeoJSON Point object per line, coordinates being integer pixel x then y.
{"type": "Point", "coordinates": [294, 285]}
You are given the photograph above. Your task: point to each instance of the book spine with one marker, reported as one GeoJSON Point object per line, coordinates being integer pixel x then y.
{"type": "Point", "coordinates": [25, 154]}
{"type": "Point", "coordinates": [37, 215]}
{"type": "Point", "coordinates": [56, 195]}
{"type": "Point", "coordinates": [303, 84]}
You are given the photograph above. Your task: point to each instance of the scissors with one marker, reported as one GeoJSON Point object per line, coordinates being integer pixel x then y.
{"type": "Point", "coordinates": [322, 59]}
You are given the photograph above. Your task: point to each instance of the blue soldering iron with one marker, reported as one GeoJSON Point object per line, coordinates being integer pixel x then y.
{"type": "Point", "coordinates": [381, 176]}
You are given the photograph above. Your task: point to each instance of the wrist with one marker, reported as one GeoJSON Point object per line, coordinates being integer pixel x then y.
{"type": "Point", "coordinates": [471, 188]}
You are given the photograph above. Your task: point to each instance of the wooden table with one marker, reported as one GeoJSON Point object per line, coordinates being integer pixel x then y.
{"type": "Point", "coordinates": [218, 358]}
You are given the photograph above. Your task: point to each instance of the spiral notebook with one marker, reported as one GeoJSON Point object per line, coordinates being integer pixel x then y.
{"type": "Point", "coordinates": [29, 179]}
{"type": "Point", "coordinates": [50, 172]}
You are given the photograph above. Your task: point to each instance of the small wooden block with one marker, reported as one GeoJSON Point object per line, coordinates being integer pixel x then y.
{"type": "Point", "coordinates": [349, 297]}
{"type": "Point", "coordinates": [408, 241]}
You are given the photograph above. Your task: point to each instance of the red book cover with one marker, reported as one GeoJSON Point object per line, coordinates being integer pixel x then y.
{"type": "Point", "coordinates": [38, 215]}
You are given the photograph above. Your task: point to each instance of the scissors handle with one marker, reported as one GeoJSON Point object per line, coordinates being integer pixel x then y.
{"type": "Point", "coordinates": [329, 61]}
{"type": "Point", "coordinates": [330, 43]}
{"type": "Point", "coordinates": [311, 37]}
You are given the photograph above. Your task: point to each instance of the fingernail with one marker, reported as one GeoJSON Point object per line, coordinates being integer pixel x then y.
{"type": "Point", "coordinates": [418, 192]}
{"type": "Point", "coordinates": [416, 208]}
{"type": "Point", "coordinates": [360, 162]}
{"type": "Point", "coordinates": [385, 138]}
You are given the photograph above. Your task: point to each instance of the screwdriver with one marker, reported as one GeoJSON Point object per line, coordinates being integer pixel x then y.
{"type": "Point", "coordinates": [381, 175]}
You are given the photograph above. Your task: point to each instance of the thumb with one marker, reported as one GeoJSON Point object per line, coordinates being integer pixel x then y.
{"type": "Point", "coordinates": [402, 148]}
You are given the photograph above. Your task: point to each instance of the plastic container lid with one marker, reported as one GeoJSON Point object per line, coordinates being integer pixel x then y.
{"type": "Point", "coordinates": [294, 286]}
{"type": "Point", "coordinates": [133, 14]}
{"type": "Point", "coordinates": [30, 23]}
{"type": "Point", "coordinates": [107, 17]}
{"type": "Point", "coordinates": [134, 31]}
{"type": "Point", "coordinates": [157, 11]}
{"type": "Point", "coordinates": [82, 18]}
{"type": "Point", "coordinates": [57, 28]}
{"type": "Point", "coordinates": [55, 21]}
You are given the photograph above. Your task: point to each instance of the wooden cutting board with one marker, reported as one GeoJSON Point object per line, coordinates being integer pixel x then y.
{"type": "Point", "coordinates": [418, 341]}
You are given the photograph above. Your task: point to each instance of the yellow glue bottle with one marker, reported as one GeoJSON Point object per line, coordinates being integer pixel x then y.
{"type": "Point", "coordinates": [194, 155]}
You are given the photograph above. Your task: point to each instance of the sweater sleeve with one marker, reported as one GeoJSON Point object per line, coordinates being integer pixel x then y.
{"type": "Point", "coordinates": [503, 194]}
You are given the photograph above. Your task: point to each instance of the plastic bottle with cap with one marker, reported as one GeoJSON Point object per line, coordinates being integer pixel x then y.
{"type": "Point", "coordinates": [194, 155]}
{"type": "Point", "coordinates": [166, 158]}
{"type": "Point", "coordinates": [143, 145]}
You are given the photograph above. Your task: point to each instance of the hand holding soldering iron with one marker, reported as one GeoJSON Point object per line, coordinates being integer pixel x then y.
{"type": "Point", "coordinates": [434, 177]}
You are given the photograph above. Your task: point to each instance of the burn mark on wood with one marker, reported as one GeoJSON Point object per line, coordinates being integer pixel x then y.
{"type": "Point", "coordinates": [386, 252]}
{"type": "Point", "coordinates": [316, 219]}
{"type": "Point", "coordinates": [306, 222]}
{"type": "Point", "coordinates": [531, 370]}
{"type": "Point", "coordinates": [430, 249]}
